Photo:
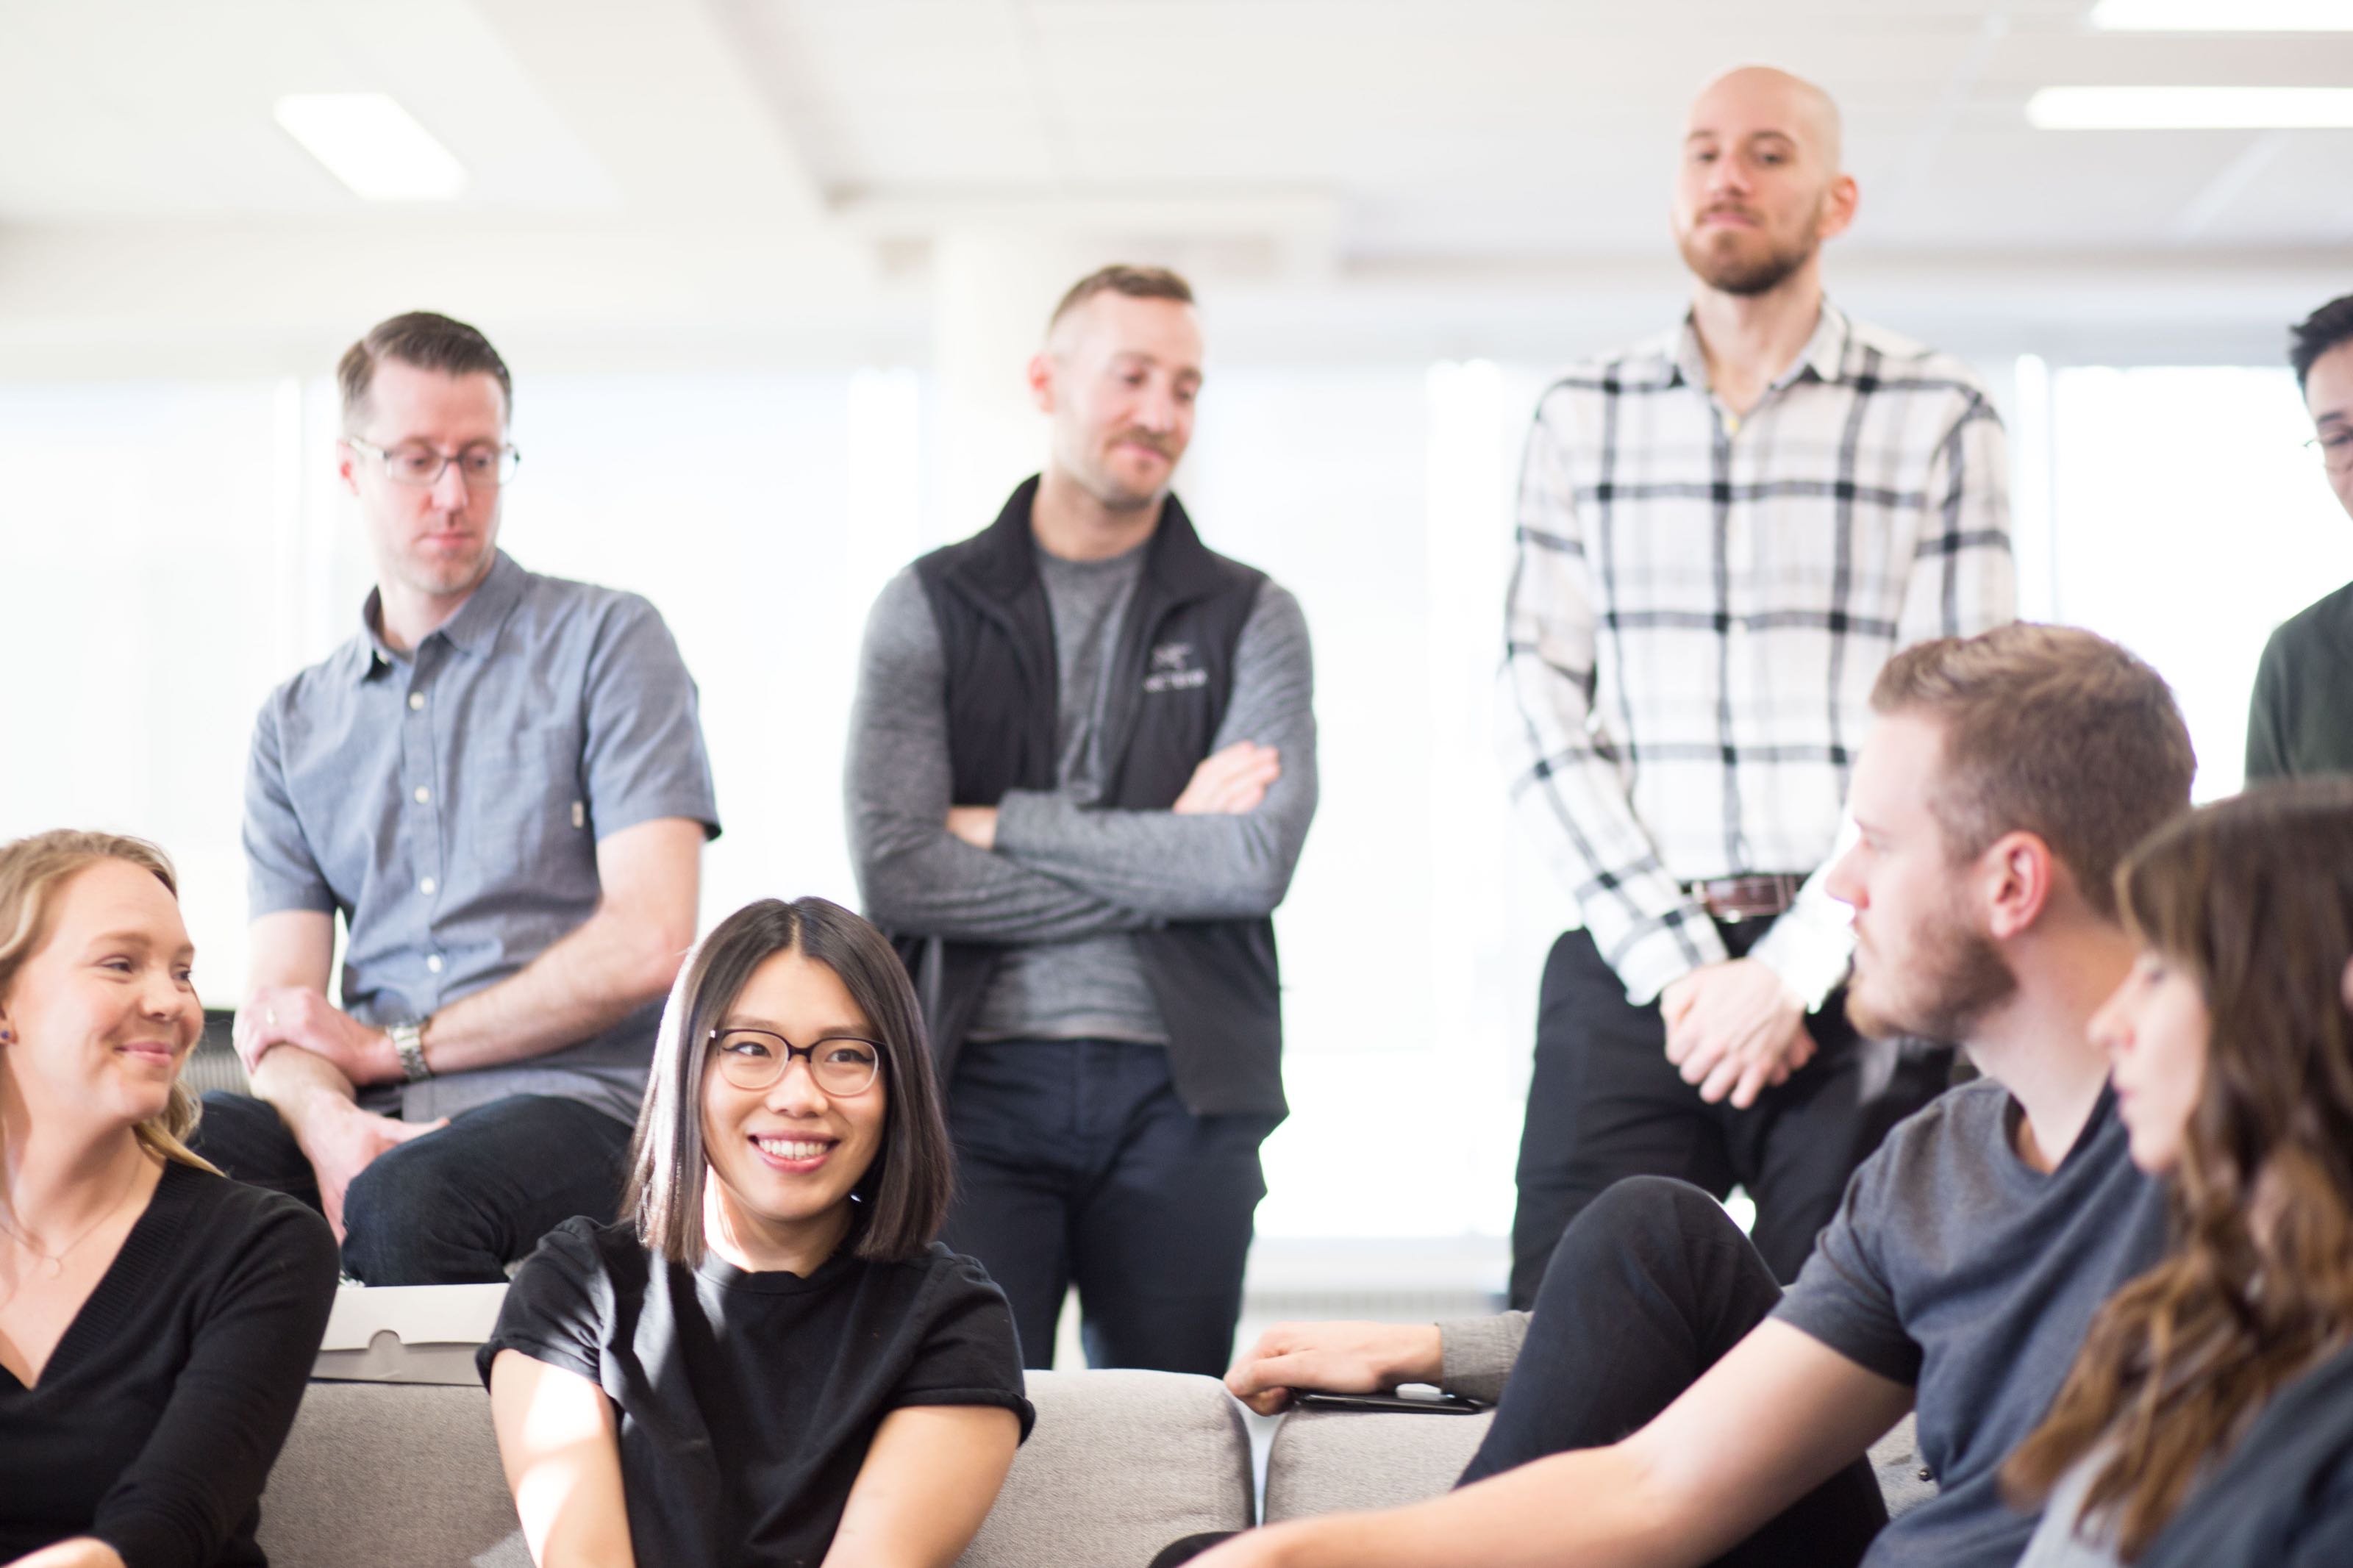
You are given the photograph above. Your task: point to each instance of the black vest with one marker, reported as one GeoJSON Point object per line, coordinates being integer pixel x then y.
{"type": "Point", "coordinates": [1172, 676]}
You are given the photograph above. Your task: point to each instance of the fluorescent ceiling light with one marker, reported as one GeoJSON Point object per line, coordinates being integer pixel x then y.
{"type": "Point", "coordinates": [372, 144]}
{"type": "Point", "coordinates": [2191, 107]}
{"type": "Point", "coordinates": [2225, 15]}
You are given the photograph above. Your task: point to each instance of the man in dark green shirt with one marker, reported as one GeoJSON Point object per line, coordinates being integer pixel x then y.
{"type": "Point", "coordinates": [2301, 719]}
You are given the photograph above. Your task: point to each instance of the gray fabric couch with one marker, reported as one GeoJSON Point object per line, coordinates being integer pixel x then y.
{"type": "Point", "coordinates": [406, 1475]}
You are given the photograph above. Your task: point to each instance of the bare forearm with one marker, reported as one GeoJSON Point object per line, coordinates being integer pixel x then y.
{"type": "Point", "coordinates": [1595, 1508]}
{"type": "Point", "coordinates": [586, 983]}
{"type": "Point", "coordinates": [300, 1086]}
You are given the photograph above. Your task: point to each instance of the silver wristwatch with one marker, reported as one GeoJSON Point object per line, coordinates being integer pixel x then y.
{"type": "Point", "coordinates": [408, 1039]}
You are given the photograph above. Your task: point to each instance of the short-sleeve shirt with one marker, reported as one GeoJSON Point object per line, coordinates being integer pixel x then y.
{"type": "Point", "coordinates": [448, 803]}
{"type": "Point", "coordinates": [1957, 1268]}
{"type": "Point", "coordinates": [746, 1401]}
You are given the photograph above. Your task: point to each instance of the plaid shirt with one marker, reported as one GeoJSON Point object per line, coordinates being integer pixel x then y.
{"type": "Point", "coordinates": [1700, 605]}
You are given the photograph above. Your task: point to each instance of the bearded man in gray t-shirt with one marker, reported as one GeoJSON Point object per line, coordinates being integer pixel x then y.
{"type": "Point", "coordinates": [1669, 1405]}
{"type": "Point", "coordinates": [1082, 763]}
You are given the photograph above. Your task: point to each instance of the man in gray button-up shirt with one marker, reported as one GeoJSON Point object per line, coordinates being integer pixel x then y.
{"type": "Point", "coordinates": [499, 784]}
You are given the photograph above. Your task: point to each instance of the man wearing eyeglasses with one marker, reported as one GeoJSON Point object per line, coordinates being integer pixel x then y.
{"type": "Point", "coordinates": [2301, 722]}
{"type": "Point", "coordinates": [499, 783]}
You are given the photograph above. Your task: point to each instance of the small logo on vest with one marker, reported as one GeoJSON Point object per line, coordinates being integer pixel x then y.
{"type": "Point", "coordinates": [1173, 669]}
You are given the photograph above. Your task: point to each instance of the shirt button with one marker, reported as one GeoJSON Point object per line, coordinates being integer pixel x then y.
{"type": "Point", "coordinates": [416, 701]}
{"type": "Point", "coordinates": [426, 886]}
{"type": "Point", "coordinates": [433, 962]}
{"type": "Point", "coordinates": [422, 795]}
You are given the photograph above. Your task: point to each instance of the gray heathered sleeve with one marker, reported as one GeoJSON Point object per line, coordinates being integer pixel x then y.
{"type": "Point", "coordinates": [1841, 1296]}
{"type": "Point", "coordinates": [914, 875]}
{"type": "Point", "coordinates": [1478, 1353]}
{"type": "Point", "coordinates": [1210, 866]}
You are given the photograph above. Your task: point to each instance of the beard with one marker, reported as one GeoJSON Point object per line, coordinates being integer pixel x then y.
{"type": "Point", "coordinates": [1955, 976]}
{"type": "Point", "coordinates": [1744, 270]}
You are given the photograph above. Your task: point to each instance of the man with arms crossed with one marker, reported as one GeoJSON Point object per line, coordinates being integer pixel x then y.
{"type": "Point", "coordinates": [499, 784]}
{"type": "Point", "coordinates": [1723, 533]}
{"type": "Point", "coordinates": [2301, 718]}
{"type": "Point", "coordinates": [2006, 777]}
{"type": "Point", "coordinates": [1082, 762]}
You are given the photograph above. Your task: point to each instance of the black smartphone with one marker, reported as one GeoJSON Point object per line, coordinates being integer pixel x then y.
{"type": "Point", "coordinates": [1421, 1404]}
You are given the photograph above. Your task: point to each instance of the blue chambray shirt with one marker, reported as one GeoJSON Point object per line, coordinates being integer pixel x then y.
{"type": "Point", "coordinates": [447, 803]}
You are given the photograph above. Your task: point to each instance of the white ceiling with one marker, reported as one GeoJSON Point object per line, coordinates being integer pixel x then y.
{"type": "Point", "coordinates": [638, 165]}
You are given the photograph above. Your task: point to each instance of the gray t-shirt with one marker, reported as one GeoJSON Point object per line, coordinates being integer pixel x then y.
{"type": "Point", "coordinates": [448, 802]}
{"type": "Point", "coordinates": [1956, 1268]}
{"type": "Point", "coordinates": [1093, 987]}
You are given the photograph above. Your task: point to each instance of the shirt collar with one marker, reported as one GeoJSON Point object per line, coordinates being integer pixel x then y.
{"type": "Point", "coordinates": [1824, 353]}
{"type": "Point", "coordinates": [471, 631]}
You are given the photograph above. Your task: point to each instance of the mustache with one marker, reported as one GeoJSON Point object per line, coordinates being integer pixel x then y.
{"type": "Point", "coordinates": [1146, 439]}
{"type": "Point", "coordinates": [1732, 209]}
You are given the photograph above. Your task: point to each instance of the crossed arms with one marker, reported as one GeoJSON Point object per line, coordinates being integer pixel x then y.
{"type": "Point", "coordinates": [1037, 868]}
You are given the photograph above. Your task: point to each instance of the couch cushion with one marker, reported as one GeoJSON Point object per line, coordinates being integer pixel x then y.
{"type": "Point", "coordinates": [1121, 1464]}
{"type": "Point", "coordinates": [391, 1473]}
{"type": "Point", "coordinates": [1322, 1461]}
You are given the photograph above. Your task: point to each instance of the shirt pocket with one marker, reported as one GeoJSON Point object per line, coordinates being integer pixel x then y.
{"type": "Point", "coordinates": [527, 806]}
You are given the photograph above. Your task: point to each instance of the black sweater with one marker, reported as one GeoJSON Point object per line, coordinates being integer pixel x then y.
{"type": "Point", "coordinates": [157, 1417]}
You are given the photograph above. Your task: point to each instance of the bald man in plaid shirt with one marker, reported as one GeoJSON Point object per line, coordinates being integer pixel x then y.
{"type": "Point", "coordinates": [1724, 533]}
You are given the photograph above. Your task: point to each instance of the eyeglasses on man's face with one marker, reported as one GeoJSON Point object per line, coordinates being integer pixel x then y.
{"type": "Point", "coordinates": [754, 1060]}
{"type": "Point", "coordinates": [2335, 445]}
{"type": "Point", "coordinates": [482, 466]}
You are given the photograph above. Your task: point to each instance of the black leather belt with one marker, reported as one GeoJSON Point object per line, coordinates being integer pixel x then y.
{"type": "Point", "coordinates": [1750, 897]}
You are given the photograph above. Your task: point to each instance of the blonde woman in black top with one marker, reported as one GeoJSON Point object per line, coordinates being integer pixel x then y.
{"type": "Point", "coordinates": [157, 1320]}
{"type": "Point", "coordinates": [768, 1361]}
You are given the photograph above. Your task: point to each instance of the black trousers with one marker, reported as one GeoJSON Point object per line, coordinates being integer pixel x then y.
{"type": "Point", "coordinates": [454, 1207]}
{"type": "Point", "coordinates": [1650, 1287]}
{"type": "Point", "coordinates": [1076, 1163]}
{"type": "Point", "coordinates": [1604, 1103]}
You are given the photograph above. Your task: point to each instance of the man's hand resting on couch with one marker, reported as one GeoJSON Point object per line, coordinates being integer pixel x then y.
{"type": "Point", "coordinates": [1335, 1358]}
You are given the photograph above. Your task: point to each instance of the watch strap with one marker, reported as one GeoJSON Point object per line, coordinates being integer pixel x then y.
{"type": "Point", "coordinates": [408, 1039]}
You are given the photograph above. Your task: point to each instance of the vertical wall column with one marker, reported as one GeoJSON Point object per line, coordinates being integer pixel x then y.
{"type": "Point", "coordinates": [992, 289]}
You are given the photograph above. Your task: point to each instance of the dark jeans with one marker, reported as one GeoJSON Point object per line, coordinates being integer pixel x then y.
{"type": "Point", "coordinates": [1650, 1285]}
{"type": "Point", "coordinates": [1078, 1165]}
{"type": "Point", "coordinates": [1604, 1103]}
{"type": "Point", "coordinates": [454, 1207]}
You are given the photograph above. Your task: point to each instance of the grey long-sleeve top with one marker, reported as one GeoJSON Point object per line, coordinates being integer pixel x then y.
{"type": "Point", "coordinates": [1069, 878]}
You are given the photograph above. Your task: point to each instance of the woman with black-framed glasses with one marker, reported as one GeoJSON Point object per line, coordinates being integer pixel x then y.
{"type": "Point", "coordinates": [768, 1360]}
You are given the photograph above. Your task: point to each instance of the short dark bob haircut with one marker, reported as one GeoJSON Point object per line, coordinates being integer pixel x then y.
{"type": "Point", "coordinates": [903, 1195]}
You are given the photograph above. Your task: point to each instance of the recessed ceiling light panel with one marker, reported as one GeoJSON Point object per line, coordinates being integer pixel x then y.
{"type": "Point", "coordinates": [2225, 15]}
{"type": "Point", "coordinates": [372, 144]}
{"type": "Point", "coordinates": [2191, 107]}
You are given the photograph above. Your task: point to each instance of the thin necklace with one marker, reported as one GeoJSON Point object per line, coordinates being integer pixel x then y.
{"type": "Point", "coordinates": [53, 1264]}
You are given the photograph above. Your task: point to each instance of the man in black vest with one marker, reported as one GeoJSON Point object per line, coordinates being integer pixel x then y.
{"type": "Point", "coordinates": [1082, 762]}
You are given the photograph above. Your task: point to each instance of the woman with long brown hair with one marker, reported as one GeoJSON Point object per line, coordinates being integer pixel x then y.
{"type": "Point", "coordinates": [2209, 1418]}
{"type": "Point", "coordinates": [157, 1320]}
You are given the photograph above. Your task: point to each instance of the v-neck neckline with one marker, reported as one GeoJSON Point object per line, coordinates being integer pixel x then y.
{"type": "Point", "coordinates": [99, 1293]}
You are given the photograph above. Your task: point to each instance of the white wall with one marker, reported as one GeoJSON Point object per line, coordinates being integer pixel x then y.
{"type": "Point", "coordinates": [171, 550]}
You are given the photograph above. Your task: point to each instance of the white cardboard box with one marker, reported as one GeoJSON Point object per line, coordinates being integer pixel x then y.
{"type": "Point", "coordinates": [407, 1333]}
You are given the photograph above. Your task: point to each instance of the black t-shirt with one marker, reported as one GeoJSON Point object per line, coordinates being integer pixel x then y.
{"type": "Point", "coordinates": [157, 1417]}
{"type": "Point", "coordinates": [1955, 1266]}
{"type": "Point", "coordinates": [746, 1401]}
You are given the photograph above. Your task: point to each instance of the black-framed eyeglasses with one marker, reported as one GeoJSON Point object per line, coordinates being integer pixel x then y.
{"type": "Point", "coordinates": [754, 1059]}
{"type": "Point", "coordinates": [482, 467]}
